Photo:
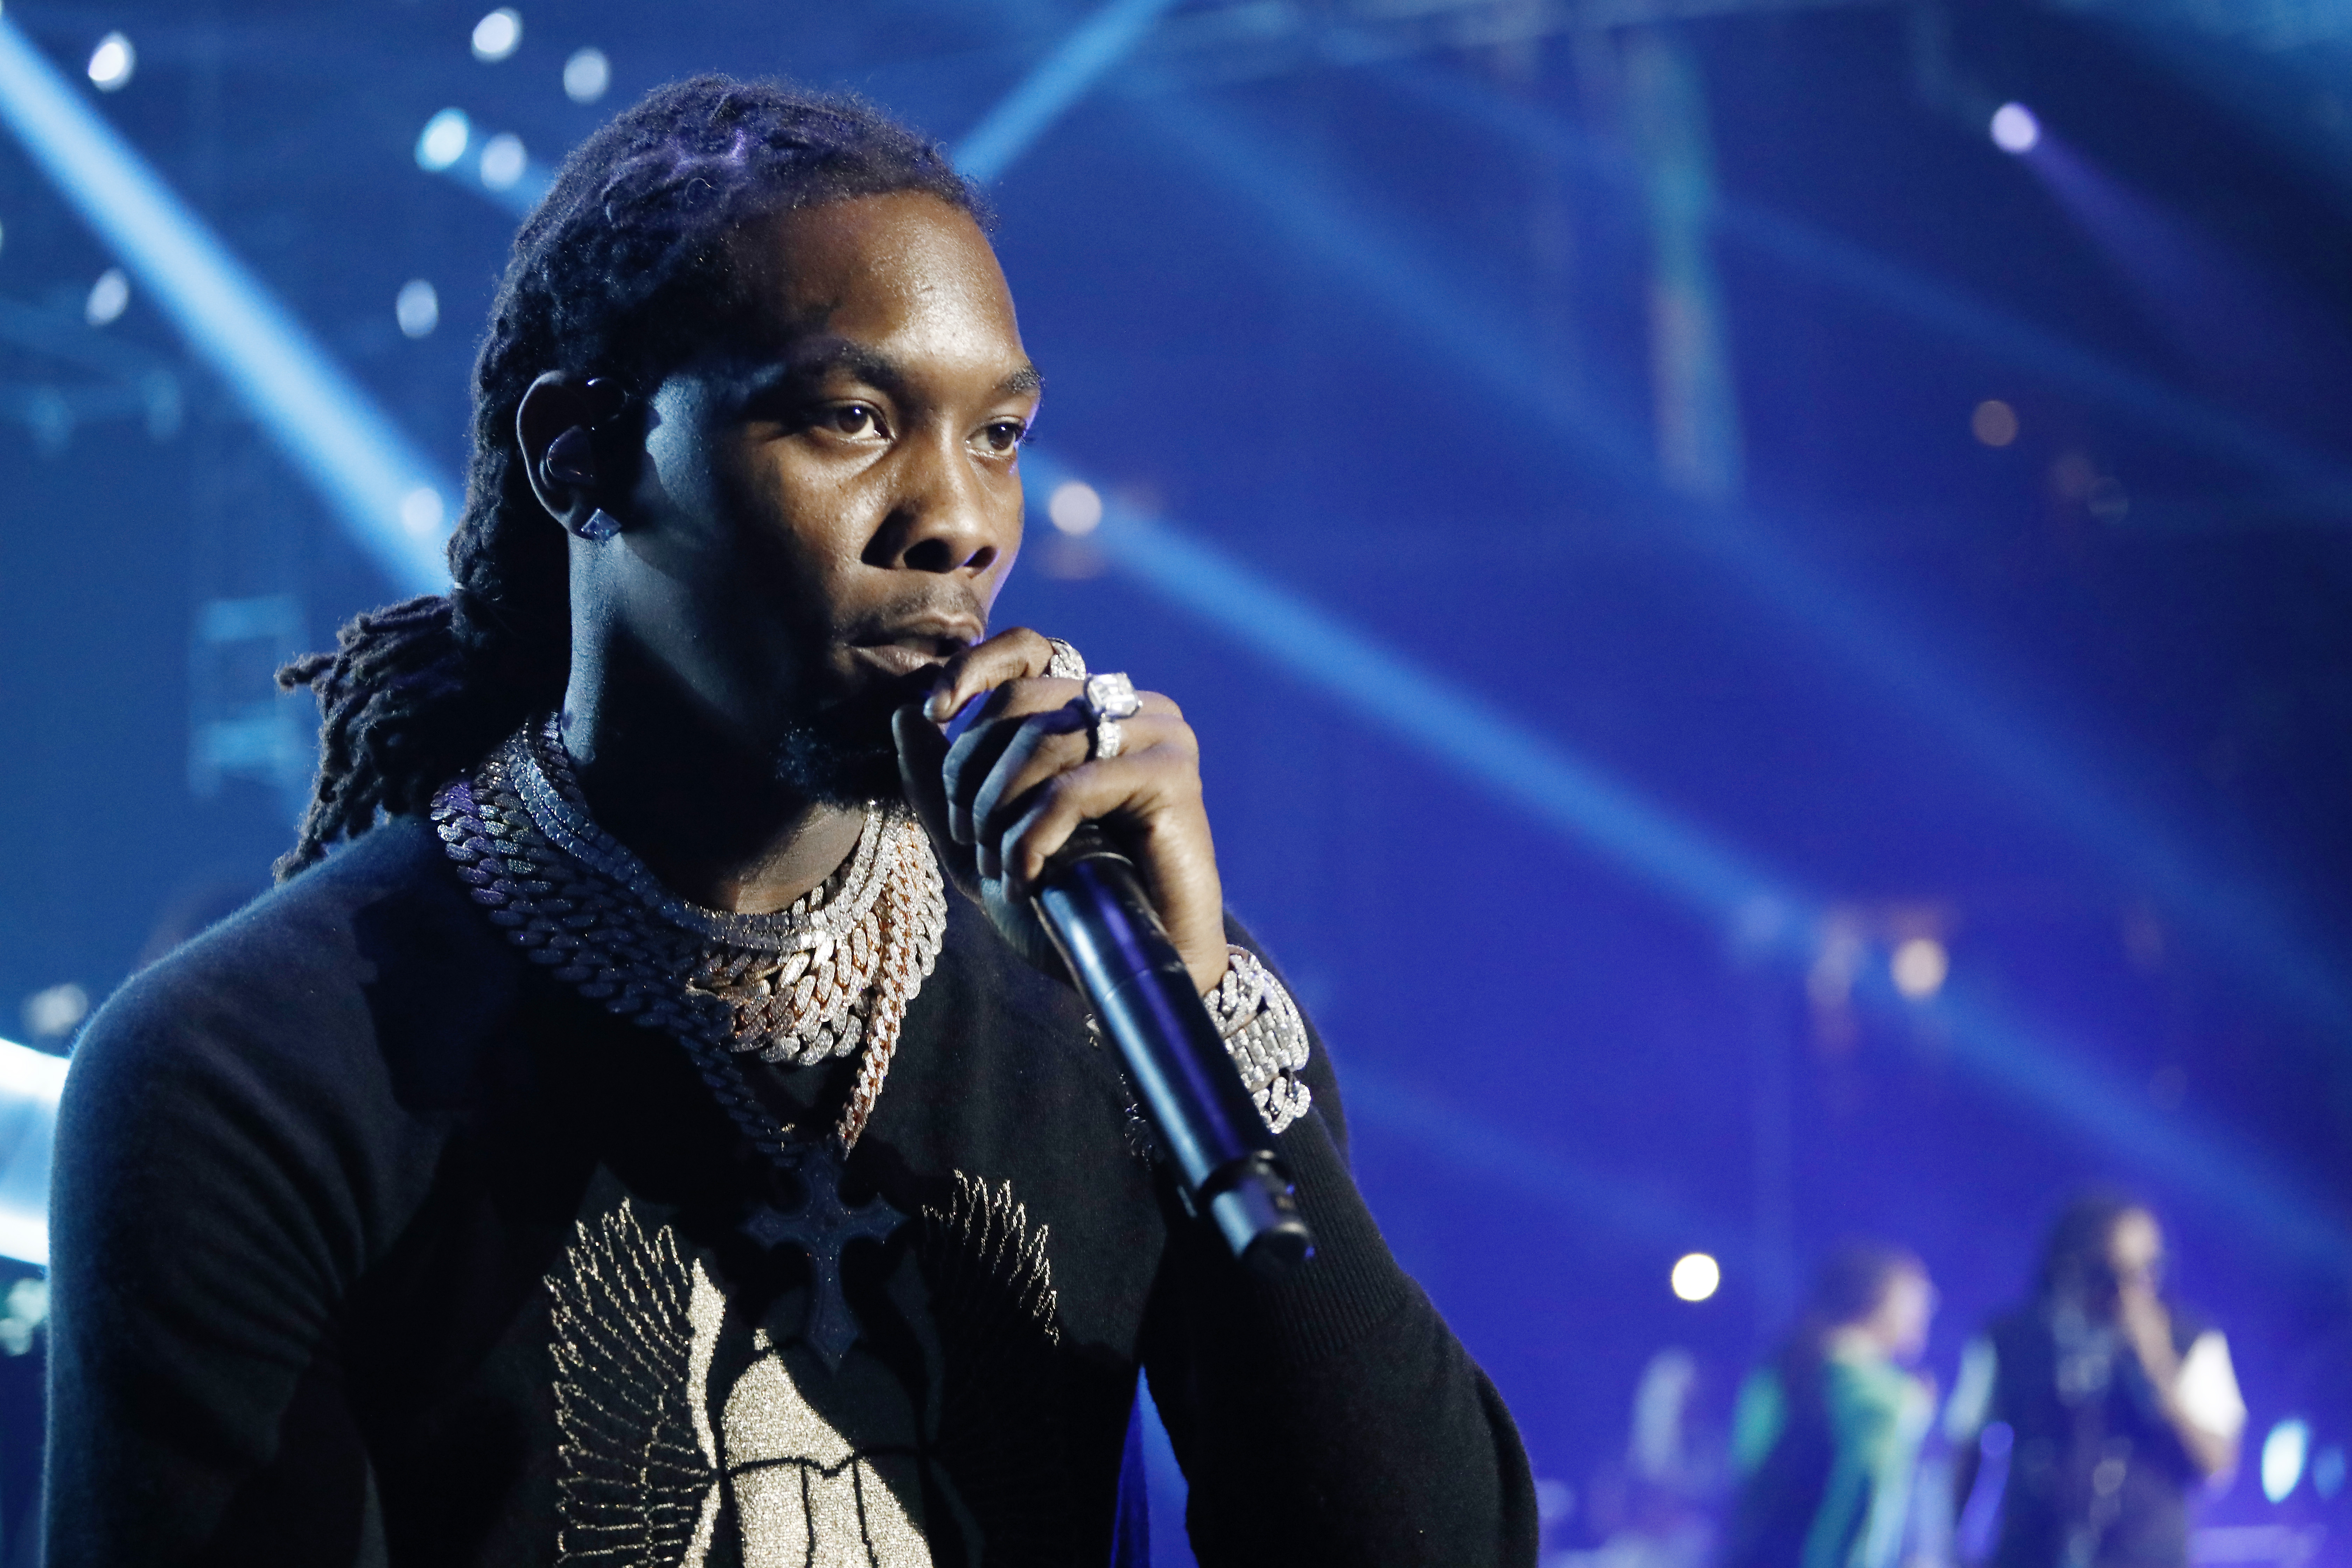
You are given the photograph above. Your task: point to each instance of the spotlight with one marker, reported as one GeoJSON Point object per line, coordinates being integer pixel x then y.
{"type": "Point", "coordinates": [109, 298]}
{"type": "Point", "coordinates": [496, 35]}
{"type": "Point", "coordinates": [1075, 508]}
{"type": "Point", "coordinates": [502, 161]}
{"type": "Point", "coordinates": [586, 75]}
{"type": "Point", "coordinates": [2014, 129]}
{"type": "Point", "coordinates": [2282, 1454]}
{"type": "Point", "coordinates": [418, 308]}
{"type": "Point", "coordinates": [1919, 967]}
{"type": "Point", "coordinates": [443, 141]}
{"type": "Point", "coordinates": [1994, 423]}
{"type": "Point", "coordinates": [1696, 1276]}
{"type": "Point", "coordinates": [112, 63]}
{"type": "Point", "coordinates": [420, 511]}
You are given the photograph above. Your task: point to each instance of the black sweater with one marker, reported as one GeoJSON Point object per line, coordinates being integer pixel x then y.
{"type": "Point", "coordinates": [374, 1244]}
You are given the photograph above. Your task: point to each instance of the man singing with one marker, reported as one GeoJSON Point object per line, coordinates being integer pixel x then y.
{"type": "Point", "coordinates": [659, 1136]}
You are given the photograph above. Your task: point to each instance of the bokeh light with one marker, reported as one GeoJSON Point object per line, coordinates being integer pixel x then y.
{"type": "Point", "coordinates": [586, 75]}
{"type": "Point", "coordinates": [418, 308]}
{"type": "Point", "coordinates": [496, 35]}
{"type": "Point", "coordinates": [1075, 507]}
{"type": "Point", "coordinates": [502, 161]}
{"type": "Point", "coordinates": [443, 141]}
{"type": "Point", "coordinates": [2014, 129]}
{"type": "Point", "coordinates": [109, 298]}
{"type": "Point", "coordinates": [2283, 1452]}
{"type": "Point", "coordinates": [1919, 967]}
{"type": "Point", "coordinates": [112, 63]}
{"type": "Point", "coordinates": [1696, 1276]}
{"type": "Point", "coordinates": [1994, 423]}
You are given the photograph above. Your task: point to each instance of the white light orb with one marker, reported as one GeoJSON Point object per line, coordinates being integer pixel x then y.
{"type": "Point", "coordinates": [1075, 508]}
{"type": "Point", "coordinates": [1919, 967]}
{"type": "Point", "coordinates": [2014, 129]}
{"type": "Point", "coordinates": [496, 35]}
{"type": "Point", "coordinates": [418, 308]}
{"type": "Point", "coordinates": [586, 75]}
{"type": "Point", "coordinates": [56, 1012]}
{"type": "Point", "coordinates": [502, 161]}
{"type": "Point", "coordinates": [109, 298]}
{"type": "Point", "coordinates": [2283, 1452]}
{"type": "Point", "coordinates": [112, 63]}
{"type": "Point", "coordinates": [443, 141]}
{"type": "Point", "coordinates": [420, 511]}
{"type": "Point", "coordinates": [1696, 1276]}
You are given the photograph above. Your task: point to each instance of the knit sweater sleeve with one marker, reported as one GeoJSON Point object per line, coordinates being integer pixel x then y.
{"type": "Point", "coordinates": [197, 1260]}
{"type": "Point", "coordinates": [230, 1155]}
{"type": "Point", "coordinates": [1331, 1416]}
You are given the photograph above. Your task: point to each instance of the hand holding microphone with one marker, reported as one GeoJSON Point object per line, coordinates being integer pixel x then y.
{"type": "Point", "coordinates": [1018, 794]}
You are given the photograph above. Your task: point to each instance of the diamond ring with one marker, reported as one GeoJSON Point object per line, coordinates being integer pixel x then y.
{"type": "Point", "coordinates": [1110, 697]}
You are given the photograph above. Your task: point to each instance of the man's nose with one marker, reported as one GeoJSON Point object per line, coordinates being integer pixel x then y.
{"type": "Point", "coordinates": [949, 515]}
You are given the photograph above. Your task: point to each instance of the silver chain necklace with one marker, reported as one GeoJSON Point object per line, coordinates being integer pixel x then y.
{"type": "Point", "coordinates": [834, 972]}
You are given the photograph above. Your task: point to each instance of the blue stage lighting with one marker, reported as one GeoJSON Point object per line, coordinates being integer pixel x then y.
{"type": "Point", "coordinates": [112, 63]}
{"type": "Point", "coordinates": [417, 308]}
{"type": "Point", "coordinates": [503, 171]}
{"type": "Point", "coordinates": [1572, 797]}
{"type": "Point", "coordinates": [324, 423]}
{"type": "Point", "coordinates": [586, 75]}
{"type": "Point", "coordinates": [497, 35]}
{"type": "Point", "coordinates": [503, 162]}
{"type": "Point", "coordinates": [109, 298]}
{"type": "Point", "coordinates": [443, 141]}
{"type": "Point", "coordinates": [30, 1084]}
{"type": "Point", "coordinates": [1696, 1276]}
{"type": "Point", "coordinates": [2015, 129]}
{"type": "Point", "coordinates": [2282, 1454]}
{"type": "Point", "coordinates": [1076, 64]}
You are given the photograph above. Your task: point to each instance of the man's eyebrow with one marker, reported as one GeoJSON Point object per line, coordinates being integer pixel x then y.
{"type": "Point", "coordinates": [825, 356]}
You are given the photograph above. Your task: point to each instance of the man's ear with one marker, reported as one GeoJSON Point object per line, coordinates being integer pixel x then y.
{"type": "Point", "coordinates": [554, 429]}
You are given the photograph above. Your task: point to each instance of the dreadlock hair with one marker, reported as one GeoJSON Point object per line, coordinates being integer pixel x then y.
{"type": "Point", "coordinates": [622, 272]}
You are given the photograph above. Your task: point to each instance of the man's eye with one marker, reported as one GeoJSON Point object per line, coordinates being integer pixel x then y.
{"type": "Point", "coordinates": [856, 419]}
{"type": "Point", "coordinates": [1003, 435]}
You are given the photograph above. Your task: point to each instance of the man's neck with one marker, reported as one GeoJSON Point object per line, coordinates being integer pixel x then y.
{"type": "Point", "coordinates": [707, 817]}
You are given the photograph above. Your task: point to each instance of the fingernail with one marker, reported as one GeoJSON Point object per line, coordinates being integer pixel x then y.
{"type": "Point", "coordinates": [963, 715]}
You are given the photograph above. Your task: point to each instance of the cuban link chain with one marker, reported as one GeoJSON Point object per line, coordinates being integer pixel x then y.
{"type": "Point", "coordinates": [1264, 1035]}
{"type": "Point", "coordinates": [834, 972]}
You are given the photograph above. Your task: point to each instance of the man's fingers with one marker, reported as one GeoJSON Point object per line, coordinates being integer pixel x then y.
{"type": "Point", "coordinates": [1133, 784]}
{"type": "Point", "coordinates": [1042, 745]}
{"type": "Point", "coordinates": [1016, 654]}
{"type": "Point", "coordinates": [973, 756]}
{"type": "Point", "coordinates": [922, 749]}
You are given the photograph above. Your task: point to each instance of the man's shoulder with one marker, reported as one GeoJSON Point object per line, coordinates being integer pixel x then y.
{"type": "Point", "coordinates": [376, 950]}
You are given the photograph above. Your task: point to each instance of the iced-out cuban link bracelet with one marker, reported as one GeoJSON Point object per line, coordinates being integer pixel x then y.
{"type": "Point", "coordinates": [1264, 1035]}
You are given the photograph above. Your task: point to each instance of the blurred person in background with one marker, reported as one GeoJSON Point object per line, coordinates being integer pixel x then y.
{"type": "Point", "coordinates": [1826, 1436]}
{"type": "Point", "coordinates": [2118, 1402]}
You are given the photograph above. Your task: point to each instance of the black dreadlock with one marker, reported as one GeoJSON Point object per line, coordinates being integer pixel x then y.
{"type": "Point", "coordinates": [622, 272]}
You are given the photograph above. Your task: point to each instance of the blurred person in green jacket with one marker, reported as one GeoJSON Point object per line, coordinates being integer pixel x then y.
{"type": "Point", "coordinates": [1826, 1435]}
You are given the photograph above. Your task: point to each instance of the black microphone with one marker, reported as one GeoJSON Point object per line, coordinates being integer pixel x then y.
{"type": "Point", "coordinates": [1092, 905]}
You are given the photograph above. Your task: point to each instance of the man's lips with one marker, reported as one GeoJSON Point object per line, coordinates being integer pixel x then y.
{"type": "Point", "coordinates": [905, 650]}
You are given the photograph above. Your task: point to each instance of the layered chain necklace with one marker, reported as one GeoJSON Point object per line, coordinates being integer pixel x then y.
{"type": "Point", "coordinates": [831, 975]}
